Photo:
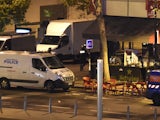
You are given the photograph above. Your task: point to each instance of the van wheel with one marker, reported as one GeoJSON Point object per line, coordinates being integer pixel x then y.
{"type": "Point", "coordinates": [156, 100]}
{"type": "Point", "coordinates": [65, 87]}
{"type": "Point", "coordinates": [49, 86]}
{"type": "Point", "coordinates": [4, 83]}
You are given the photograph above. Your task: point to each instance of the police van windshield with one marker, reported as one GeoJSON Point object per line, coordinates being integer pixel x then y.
{"type": "Point", "coordinates": [53, 62]}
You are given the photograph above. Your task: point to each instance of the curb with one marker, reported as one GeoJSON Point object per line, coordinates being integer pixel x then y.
{"type": "Point", "coordinates": [17, 114]}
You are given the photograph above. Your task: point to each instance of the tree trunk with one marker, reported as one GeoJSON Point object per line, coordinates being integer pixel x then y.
{"type": "Point", "coordinates": [104, 47]}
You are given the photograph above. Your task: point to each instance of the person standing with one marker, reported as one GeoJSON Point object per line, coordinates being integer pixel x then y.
{"type": "Point", "coordinates": [83, 57]}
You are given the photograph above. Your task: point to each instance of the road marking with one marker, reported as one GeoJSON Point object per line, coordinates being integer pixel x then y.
{"type": "Point", "coordinates": [146, 101]}
{"type": "Point", "coordinates": [21, 95]}
{"type": "Point", "coordinates": [6, 97]}
{"type": "Point", "coordinates": [94, 97]}
{"type": "Point", "coordinates": [106, 112]}
{"type": "Point", "coordinates": [68, 108]}
{"type": "Point", "coordinates": [75, 93]}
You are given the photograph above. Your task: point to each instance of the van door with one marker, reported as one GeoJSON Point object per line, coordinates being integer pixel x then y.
{"type": "Point", "coordinates": [38, 72]}
{"type": "Point", "coordinates": [16, 69]}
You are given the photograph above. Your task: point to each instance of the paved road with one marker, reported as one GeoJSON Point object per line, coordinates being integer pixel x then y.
{"type": "Point", "coordinates": [64, 104]}
{"type": "Point", "coordinates": [114, 106]}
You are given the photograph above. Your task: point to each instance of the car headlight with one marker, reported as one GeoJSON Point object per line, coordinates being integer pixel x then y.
{"type": "Point", "coordinates": [59, 76]}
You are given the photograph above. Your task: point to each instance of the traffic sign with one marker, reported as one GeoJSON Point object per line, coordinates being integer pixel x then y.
{"type": "Point", "coordinates": [89, 44]}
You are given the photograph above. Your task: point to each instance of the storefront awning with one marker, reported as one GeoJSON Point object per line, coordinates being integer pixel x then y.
{"type": "Point", "coordinates": [118, 28]}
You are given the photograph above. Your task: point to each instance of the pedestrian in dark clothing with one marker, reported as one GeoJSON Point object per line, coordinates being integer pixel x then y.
{"type": "Point", "coordinates": [83, 57]}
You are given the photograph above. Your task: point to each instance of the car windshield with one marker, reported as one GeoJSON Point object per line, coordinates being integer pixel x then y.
{"type": "Point", "coordinates": [53, 62]}
{"type": "Point", "coordinates": [54, 40]}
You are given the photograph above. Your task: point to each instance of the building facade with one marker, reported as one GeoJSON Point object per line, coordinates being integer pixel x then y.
{"type": "Point", "coordinates": [40, 10]}
{"type": "Point", "coordinates": [129, 8]}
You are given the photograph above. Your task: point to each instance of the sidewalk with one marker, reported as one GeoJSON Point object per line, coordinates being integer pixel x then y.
{"type": "Point", "coordinates": [18, 114]}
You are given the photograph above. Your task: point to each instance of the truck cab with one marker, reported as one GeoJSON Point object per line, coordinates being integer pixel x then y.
{"type": "Point", "coordinates": [57, 41]}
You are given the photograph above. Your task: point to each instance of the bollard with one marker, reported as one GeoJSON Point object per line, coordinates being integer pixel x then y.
{"type": "Point", "coordinates": [50, 105]}
{"type": "Point", "coordinates": [1, 104]}
{"type": "Point", "coordinates": [25, 103]}
{"type": "Point", "coordinates": [155, 114]}
{"type": "Point", "coordinates": [128, 113]}
{"type": "Point", "coordinates": [75, 108]}
{"type": "Point", "coordinates": [99, 89]}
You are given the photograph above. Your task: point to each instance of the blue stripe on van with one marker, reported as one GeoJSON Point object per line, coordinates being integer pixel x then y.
{"type": "Point", "coordinates": [155, 73]}
{"type": "Point", "coordinates": [23, 81]}
{"type": "Point", "coordinates": [5, 67]}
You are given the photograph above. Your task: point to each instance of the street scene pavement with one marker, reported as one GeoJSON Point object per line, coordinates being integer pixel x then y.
{"type": "Point", "coordinates": [20, 114]}
{"type": "Point", "coordinates": [113, 110]}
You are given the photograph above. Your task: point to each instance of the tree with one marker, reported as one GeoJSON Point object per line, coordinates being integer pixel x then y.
{"type": "Point", "coordinates": [12, 11]}
{"type": "Point", "coordinates": [95, 7]}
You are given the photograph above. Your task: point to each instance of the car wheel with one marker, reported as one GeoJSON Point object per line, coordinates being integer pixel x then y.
{"type": "Point", "coordinates": [65, 87]}
{"type": "Point", "coordinates": [4, 83]}
{"type": "Point", "coordinates": [49, 86]}
{"type": "Point", "coordinates": [156, 100]}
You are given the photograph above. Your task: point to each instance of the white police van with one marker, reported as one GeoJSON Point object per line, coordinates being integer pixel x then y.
{"type": "Point", "coordinates": [33, 70]}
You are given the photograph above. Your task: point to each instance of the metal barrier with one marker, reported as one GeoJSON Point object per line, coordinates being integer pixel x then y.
{"type": "Point", "coordinates": [75, 108]}
{"type": "Point", "coordinates": [25, 103]}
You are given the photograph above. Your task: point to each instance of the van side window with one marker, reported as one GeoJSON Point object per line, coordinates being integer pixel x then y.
{"type": "Point", "coordinates": [37, 63]}
{"type": "Point", "coordinates": [64, 40]}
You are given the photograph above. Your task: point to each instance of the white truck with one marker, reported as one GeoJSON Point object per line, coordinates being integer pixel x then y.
{"type": "Point", "coordinates": [65, 38]}
{"type": "Point", "coordinates": [33, 70]}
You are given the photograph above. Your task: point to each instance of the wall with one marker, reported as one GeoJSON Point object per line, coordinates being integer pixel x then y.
{"type": "Point", "coordinates": [135, 8]}
{"type": "Point", "coordinates": [33, 13]}
{"type": "Point", "coordinates": [132, 8]}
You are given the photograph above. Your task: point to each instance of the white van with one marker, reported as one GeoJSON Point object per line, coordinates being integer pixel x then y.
{"type": "Point", "coordinates": [33, 70]}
